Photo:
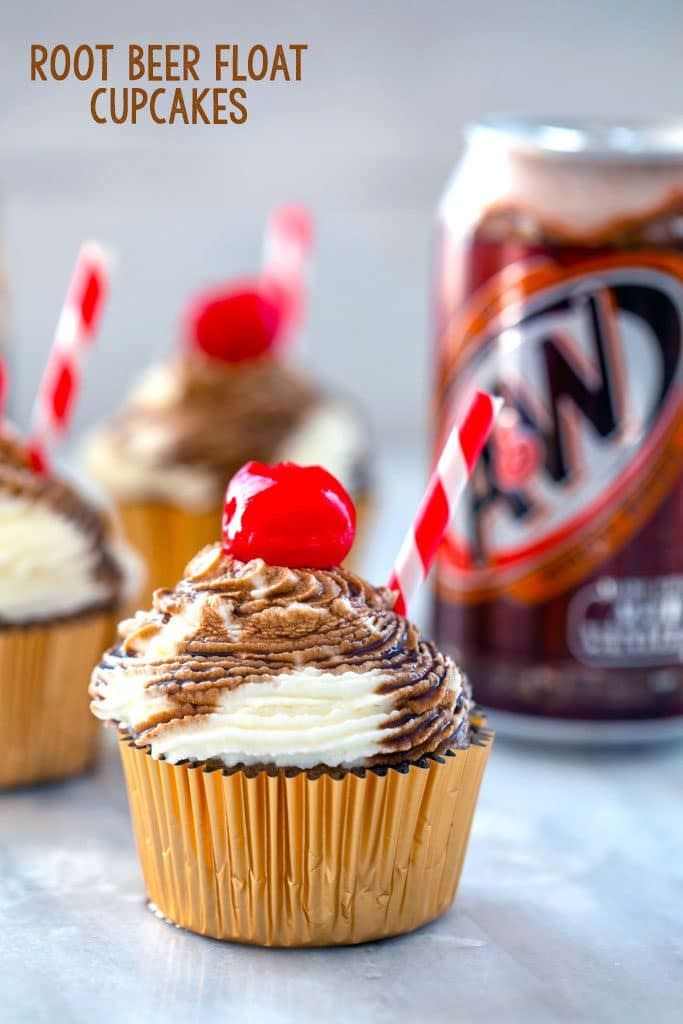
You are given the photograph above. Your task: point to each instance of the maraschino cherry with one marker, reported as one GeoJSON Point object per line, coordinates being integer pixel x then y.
{"type": "Point", "coordinates": [237, 323]}
{"type": "Point", "coordinates": [297, 516]}
{"type": "Point", "coordinates": [245, 319]}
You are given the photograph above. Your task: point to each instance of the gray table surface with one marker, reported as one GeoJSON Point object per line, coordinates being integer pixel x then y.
{"type": "Point", "coordinates": [570, 906]}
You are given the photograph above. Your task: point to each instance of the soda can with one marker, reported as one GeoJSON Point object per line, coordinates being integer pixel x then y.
{"type": "Point", "coordinates": [559, 286]}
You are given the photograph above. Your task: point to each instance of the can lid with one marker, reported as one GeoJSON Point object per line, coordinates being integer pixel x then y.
{"type": "Point", "coordinates": [638, 140]}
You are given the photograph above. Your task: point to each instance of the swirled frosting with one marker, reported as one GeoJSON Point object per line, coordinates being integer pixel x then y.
{"type": "Point", "coordinates": [192, 422]}
{"type": "Point", "coordinates": [247, 663]}
{"type": "Point", "coordinates": [58, 555]}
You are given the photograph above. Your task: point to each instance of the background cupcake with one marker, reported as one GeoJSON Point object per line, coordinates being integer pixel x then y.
{"type": "Point", "coordinates": [302, 765]}
{"type": "Point", "coordinates": [65, 577]}
{"type": "Point", "coordinates": [62, 580]}
{"type": "Point", "coordinates": [229, 395]}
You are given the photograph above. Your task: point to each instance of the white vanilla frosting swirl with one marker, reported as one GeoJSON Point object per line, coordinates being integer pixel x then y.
{"type": "Point", "coordinates": [246, 663]}
{"type": "Point", "coordinates": [57, 552]}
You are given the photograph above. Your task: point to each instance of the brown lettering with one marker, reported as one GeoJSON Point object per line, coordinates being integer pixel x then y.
{"type": "Point", "coordinates": [118, 116]}
{"type": "Point", "coordinates": [219, 106]}
{"type": "Point", "coordinates": [139, 102]}
{"type": "Point", "coordinates": [38, 58]}
{"type": "Point", "coordinates": [156, 117]}
{"type": "Point", "coordinates": [81, 74]}
{"type": "Point", "coordinates": [93, 106]}
{"type": "Point", "coordinates": [222, 60]}
{"type": "Point", "coordinates": [190, 59]}
{"type": "Point", "coordinates": [178, 108]}
{"type": "Point", "coordinates": [198, 111]}
{"type": "Point", "coordinates": [60, 51]}
{"type": "Point", "coordinates": [154, 63]}
{"type": "Point", "coordinates": [136, 66]}
{"type": "Point", "coordinates": [299, 49]}
{"type": "Point", "coordinates": [279, 64]}
{"type": "Point", "coordinates": [252, 62]}
{"type": "Point", "coordinates": [172, 73]}
{"type": "Point", "coordinates": [104, 50]}
{"type": "Point", "coordinates": [236, 76]}
{"type": "Point", "coordinates": [239, 116]}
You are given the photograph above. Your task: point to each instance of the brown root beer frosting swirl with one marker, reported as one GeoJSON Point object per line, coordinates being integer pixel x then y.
{"type": "Point", "coordinates": [194, 421]}
{"type": "Point", "coordinates": [57, 552]}
{"type": "Point", "coordinates": [251, 403]}
{"type": "Point", "coordinates": [248, 663]}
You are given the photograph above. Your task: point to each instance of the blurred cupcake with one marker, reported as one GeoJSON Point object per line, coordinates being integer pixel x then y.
{"type": "Point", "coordinates": [230, 394]}
{"type": "Point", "coordinates": [62, 581]}
{"type": "Point", "coordinates": [302, 765]}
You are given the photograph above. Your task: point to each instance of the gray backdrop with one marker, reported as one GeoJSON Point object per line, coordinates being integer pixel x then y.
{"type": "Point", "coordinates": [368, 139]}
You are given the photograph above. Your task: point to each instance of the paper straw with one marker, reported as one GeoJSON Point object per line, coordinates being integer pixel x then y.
{"type": "Point", "coordinates": [446, 484]}
{"type": "Point", "coordinates": [3, 389]}
{"type": "Point", "coordinates": [287, 250]}
{"type": "Point", "coordinates": [76, 330]}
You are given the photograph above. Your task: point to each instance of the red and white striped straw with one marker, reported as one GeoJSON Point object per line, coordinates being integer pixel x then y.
{"type": "Point", "coordinates": [446, 484]}
{"type": "Point", "coordinates": [4, 382]}
{"type": "Point", "coordinates": [76, 330]}
{"type": "Point", "coordinates": [286, 254]}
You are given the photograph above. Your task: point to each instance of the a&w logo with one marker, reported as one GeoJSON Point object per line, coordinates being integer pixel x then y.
{"type": "Point", "coordinates": [588, 442]}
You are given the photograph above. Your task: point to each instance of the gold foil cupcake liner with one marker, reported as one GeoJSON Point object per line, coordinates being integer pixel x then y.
{"type": "Point", "coordinates": [276, 859]}
{"type": "Point", "coordinates": [168, 537]}
{"type": "Point", "coordinates": [46, 729]}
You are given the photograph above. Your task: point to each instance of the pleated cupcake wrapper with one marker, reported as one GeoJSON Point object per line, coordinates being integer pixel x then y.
{"type": "Point", "coordinates": [281, 860]}
{"type": "Point", "coordinates": [46, 729]}
{"type": "Point", "coordinates": [168, 537]}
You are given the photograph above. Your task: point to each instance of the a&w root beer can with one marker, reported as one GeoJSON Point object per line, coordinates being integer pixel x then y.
{"type": "Point", "coordinates": [560, 287]}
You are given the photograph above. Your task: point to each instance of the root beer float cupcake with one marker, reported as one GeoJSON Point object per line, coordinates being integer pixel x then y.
{"type": "Point", "coordinates": [229, 395]}
{"type": "Point", "coordinates": [64, 574]}
{"type": "Point", "coordinates": [63, 577]}
{"type": "Point", "coordinates": [302, 765]}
